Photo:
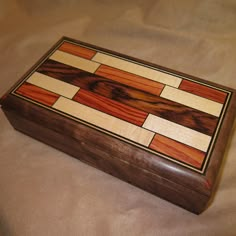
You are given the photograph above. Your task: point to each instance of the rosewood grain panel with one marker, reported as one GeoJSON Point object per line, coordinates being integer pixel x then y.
{"type": "Point", "coordinates": [203, 91]}
{"type": "Point", "coordinates": [130, 79]}
{"type": "Point", "coordinates": [178, 150]}
{"type": "Point", "coordinates": [111, 107]}
{"type": "Point", "coordinates": [77, 50]}
{"type": "Point", "coordinates": [37, 94]}
{"type": "Point", "coordinates": [141, 100]}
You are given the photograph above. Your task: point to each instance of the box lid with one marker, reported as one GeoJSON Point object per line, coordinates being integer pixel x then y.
{"type": "Point", "coordinates": [178, 122]}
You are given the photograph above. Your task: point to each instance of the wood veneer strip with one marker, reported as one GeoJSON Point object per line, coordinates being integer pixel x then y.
{"type": "Point", "coordinates": [191, 100]}
{"type": "Point", "coordinates": [111, 107]}
{"type": "Point", "coordinates": [175, 112]}
{"type": "Point", "coordinates": [177, 132]}
{"type": "Point", "coordinates": [178, 150]}
{"type": "Point", "coordinates": [203, 91]}
{"type": "Point", "coordinates": [53, 85]}
{"type": "Point", "coordinates": [104, 121]}
{"type": "Point", "coordinates": [130, 79]}
{"type": "Point", "coordinates": [37, 94]}
{"type": "Point", "coordinates": [75, 61]}
{"type": "Point", "coordinates": [137, 69]}
{"type": "Point", "coordinates": [77, 50]}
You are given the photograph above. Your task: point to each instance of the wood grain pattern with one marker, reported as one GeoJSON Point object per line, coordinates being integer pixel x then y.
{"type": "Point", "coordinates": [104, 121]}
{"type": "Point", "coordinates": [140, 70]}
{"type": "Point", "coordinates": [75, 61]}
{"type": "Point", "coordinates": [77, 50]}
{"type": "Point", "coordinates": [111, 107]}
{"type": "Point", "coordinates": [37, 94]}
{"type": "Point", "coordinates": [137, 175]}
{"type": "Point", "coordinates": [203, 91]}
{"type": "Point", "coordinates": [53, 85]}
{"type": "Point", "coordinates": [141, 100]}
{"type": "Point", "coordinates": [129, 79]}
{"type": "Point", "coordinates": [178, 150]}
{"type": "Point", "coordinates": [191, 100]}
{"type": "Point", "coordinates": [177, 132]}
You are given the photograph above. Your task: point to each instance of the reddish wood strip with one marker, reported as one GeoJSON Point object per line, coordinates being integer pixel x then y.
{"type": "Point", "coordinates": [37, 94]}
{"type": "Point", "coordinates": [77, 50]}
{"type": "Point", "coordinates": [179, 151]}
{"type": "Point", "coordinates": [203, 91]}
{"type": "Point", "coordinates": [111, 107]}
{"type": "Point", "coordinates": [141, 100]}
{"type": "Point", "coordinates": [129, 79]}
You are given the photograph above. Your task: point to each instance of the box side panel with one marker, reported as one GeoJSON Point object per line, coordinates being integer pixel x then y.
{"type": "Point", "coordinates": [108, 144]}
{"type": "Point", "coordinates": [99, 158]}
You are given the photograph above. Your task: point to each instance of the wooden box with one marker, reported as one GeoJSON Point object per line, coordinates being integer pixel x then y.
{"type": "Point", "coordinates": [153, 127]}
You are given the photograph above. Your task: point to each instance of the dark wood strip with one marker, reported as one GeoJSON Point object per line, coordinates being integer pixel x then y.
{"type": "Point", "coordinates": [203, 91]}
{"type": "Point", "coordinates": [77, 50]}
{"type": "Point", "coordinates": [178, 151]}
{"type": "Point", "coordinates": [141, 100]}
{"type": "Point", "coordinates": [111, 107]}
{"type": "Point", "coordinates": [37, 94]}
{"type": "Point", "coordinates": [129, 79]}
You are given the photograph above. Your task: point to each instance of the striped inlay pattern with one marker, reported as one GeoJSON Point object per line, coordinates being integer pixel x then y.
{"type": "Point", "coordinates": [171, 116]}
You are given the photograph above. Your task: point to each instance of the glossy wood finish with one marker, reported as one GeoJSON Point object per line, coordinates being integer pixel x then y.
{"type": "Point", "coordinates": [140, 70]}
{"type": "Point", "coordinates": [37, 94]}
{"type": "Point", "coordinates": [177, 132]}
{"type": "Point", "coordinates": [130, 79]}
{"type": "Point", "coordinates": [178, 150]}
{"type": "Point", "coordinates": [111, 107]}
{"type": "Point", "coordinates": [134, 152]}
{"type": "Point", "coordinates": [203, 91]}
{"type": "Point", "coordinates": [77, 50]}
{"type": "Point", "coordinates": [104, 121]}
{"type": "Point", "coordinates": [130, 96]}
{"type": "Point", "coordinates": [192, 100]}
{"type": "Point", "coordinates": [75, 61]}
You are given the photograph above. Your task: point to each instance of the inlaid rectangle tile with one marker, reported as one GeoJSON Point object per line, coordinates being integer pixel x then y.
{"type": "Point", "coordinates": [37, 94]}
{"type": "Point", "coordinates": [177, 150]}
{"type": "Point", "coordinates": [53, 85]}
{"type": "Point", "coordinates": [104, 121]}
{"type": "Point", "coordinates": [177, 132]}
{"type": "Point", "coordinates": [137, 69]}
{"type": "Point", "coordinates": [111, 107]}
{"type": "Point", "coordinates": [129, 79]}
{"type": "Point", "coordinates": [191, 100]}
{"type": "Point", "coordinates": [133, 97]}
{"type": "Point", "coordinates": [203, 91]}
{"type": "Point", "coordinates": [75, 61]}
{"type": "Point", "coordinates": [77, 50]}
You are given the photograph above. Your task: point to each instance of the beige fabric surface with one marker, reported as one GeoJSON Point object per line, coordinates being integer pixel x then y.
{"type": "Point", "coordinates": [46, 192]}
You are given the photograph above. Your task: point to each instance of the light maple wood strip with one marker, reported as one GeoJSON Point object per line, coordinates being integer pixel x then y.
{"type": "Point", "coordinates": [137, 69]}
{"type": "Point", "coordinates": [191, 100]}
{"type": "Point", "coordinates": [203, 91]}
{"type": "Point", "coordinates": [129, 79]}
{"type": "Point", "coordinates": [178, 151]}
{"type": "Point", "coordinates": [177, 132]}
{"type": "Point", "coordinates": [104, 121]}
{"type": "Point", "coordinates": [77, 50]}
{"type": "Point", "coordinates": [111, 107]}
{"type": "Point", "coordinates": [75, 61]}
{"type": "Point", "coordinates": [37, 94]}
{"type": "Point", "coordinates": [53, 85]}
